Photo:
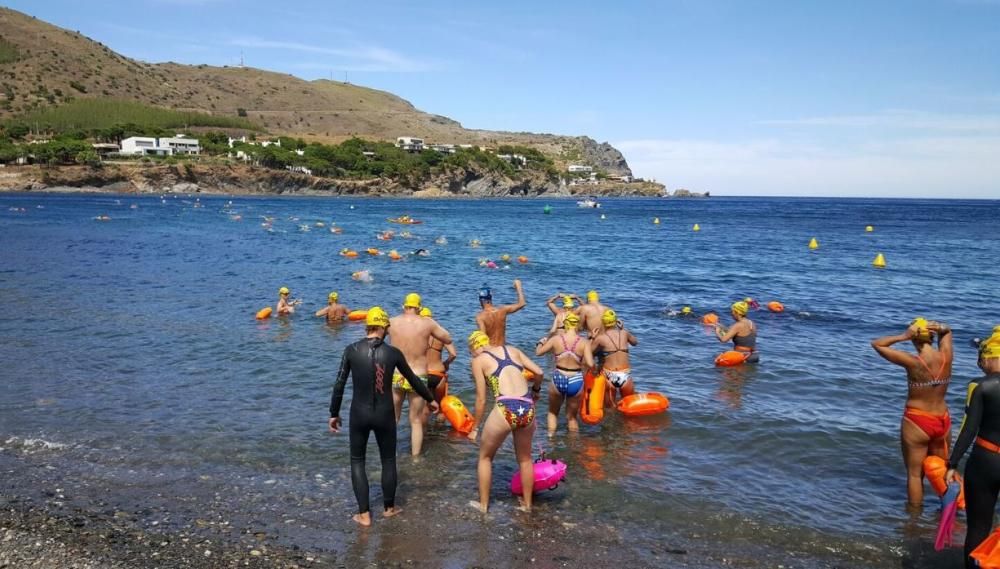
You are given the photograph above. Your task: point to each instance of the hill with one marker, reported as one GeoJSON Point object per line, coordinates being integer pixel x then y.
{"type": "Point", "coordinates": [44, 66]}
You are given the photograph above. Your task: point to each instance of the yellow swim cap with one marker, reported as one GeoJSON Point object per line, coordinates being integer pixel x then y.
{"type": "Point", "coordinates": [412, 301]}
{"type": "Point", "coordinates": [990, 348]}
{"type": "Point", "coordinates": [377, 317]}
{"type": "Point", "coordinates": [740, 308]}
{"type": "Point", "coordinates": [283, 290]}
{"type": "Point", "coordinates": [478, 340]}
{"type": "Point", "coordinates": [609, 318]}
{"type": "Point", "coordinates": [426, 312]}
{"type": "Point", "coordinates": [592, 296]}
{"type": "Point", "coordinates": [922, 332]}
{"type": "Point", "coordinates": [567, 302]}
{"type": "Point", "coordinates": [571, 321]}
{"type": "Point", "coordinates": [686, 310]}
{"type": "Point", "coordinates": [333, 297]}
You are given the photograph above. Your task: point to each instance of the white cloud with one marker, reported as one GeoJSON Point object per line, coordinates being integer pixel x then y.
{"type": "Point", "coordinates": [357, 58]}
{"type": "Point", "coordinates": [917, 167]}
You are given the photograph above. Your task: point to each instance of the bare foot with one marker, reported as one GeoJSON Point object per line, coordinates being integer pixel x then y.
{"type": "Point", "coordinates": [521, 506]}
{"type": "Point", "coordinates": [363, 520]}
{"type": "Point", "coordinates": [393, 511]}
{"type": "Point", "coordinates": [477, 506]}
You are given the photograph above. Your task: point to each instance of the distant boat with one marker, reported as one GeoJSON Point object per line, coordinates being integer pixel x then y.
{"type": "Point", "coordinates": [588, 202]}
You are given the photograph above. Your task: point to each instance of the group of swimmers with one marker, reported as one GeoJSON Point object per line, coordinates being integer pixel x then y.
{"type": "Point", "coordinates": [925, 429]}
{"type": "Point", "coordinates": [585, 336]}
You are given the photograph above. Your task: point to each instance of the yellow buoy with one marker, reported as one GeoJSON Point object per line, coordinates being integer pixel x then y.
{"type": "Point", "coordinates": [813, 244]}
{"type": "Point", "coordinates": [696, 227]}
{"type": "Point", "coordinates": [879, 262]}
{"type": "Point", "coordinates": [656, 221]}
{"type": "Point", "coordinates": [869, 229]}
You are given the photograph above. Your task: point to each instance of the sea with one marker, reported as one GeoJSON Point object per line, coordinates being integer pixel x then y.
{"type": "Point", "coordinates": [133, 364]}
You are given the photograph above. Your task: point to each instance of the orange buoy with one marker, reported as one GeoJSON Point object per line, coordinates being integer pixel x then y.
{"type": "Point", "coordinates": [394, 255]}
{"type": "Point", "coordinates": [731, 358]}
{"type": "Point", "coordinates": [710, 318]}
{"type": "Point", "coordinates": [935, 468]}
{"type": "Point", "coordinates": [642, 404]}
{"type": "Point", "coordinates": [522, 259]}
{"type": "Point", "coordinates": [775, 306]}
{"type": "Point", "coordinates": [456, 413]}
{"type": "Point", "coordinates": [348, 253]}
{"type": "Point", "coordinates": [373, 251]}
{"type": "Point", "coordinates": [356, 315]}
{"type": "Point", "coordinates": [264, 313]}
{"type": "Point", "coordinates": [592, 406]}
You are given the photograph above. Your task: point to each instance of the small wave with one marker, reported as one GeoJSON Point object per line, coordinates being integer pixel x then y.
{"type": "Point", "coordinates": [31, 445]}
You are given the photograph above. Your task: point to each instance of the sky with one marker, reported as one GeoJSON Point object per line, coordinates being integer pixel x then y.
{"type": "Point", "coordinates": [737, 97]}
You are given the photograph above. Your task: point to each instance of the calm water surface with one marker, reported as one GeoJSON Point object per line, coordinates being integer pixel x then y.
{"type": "Point", "coordinates": [131, 343]}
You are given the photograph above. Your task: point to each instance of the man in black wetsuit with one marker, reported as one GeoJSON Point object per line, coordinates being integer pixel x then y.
{"type": "Point", "coordinates": [982, 471]}
{"type": "Point", "coordinates": [371, 363]}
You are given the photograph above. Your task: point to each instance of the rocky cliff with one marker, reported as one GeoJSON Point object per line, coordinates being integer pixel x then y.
{"type": "Point", "coordinates": [240, 178]}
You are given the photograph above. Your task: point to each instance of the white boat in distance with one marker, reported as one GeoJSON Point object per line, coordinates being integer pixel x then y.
{"type": "Point", "coordinates": [588, 202]}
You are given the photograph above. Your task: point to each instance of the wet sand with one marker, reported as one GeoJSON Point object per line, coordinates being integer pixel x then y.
{"type": "Point", "coordinates": [59, 513]}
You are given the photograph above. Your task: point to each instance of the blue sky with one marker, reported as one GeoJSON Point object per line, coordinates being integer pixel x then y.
{"type": "Point", "coordinates": [844, 98]}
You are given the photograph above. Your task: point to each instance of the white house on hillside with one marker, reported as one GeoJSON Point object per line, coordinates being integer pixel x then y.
{"type": "Point", "coordinates": [579, 168]}
{"type": "Point", "coordinates": [150, 146]}
{"type": "Point", "coordinates": [410, 143]}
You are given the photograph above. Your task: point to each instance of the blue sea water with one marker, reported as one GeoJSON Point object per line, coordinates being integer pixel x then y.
{"type": "Point", "coordinates": [132, 341]}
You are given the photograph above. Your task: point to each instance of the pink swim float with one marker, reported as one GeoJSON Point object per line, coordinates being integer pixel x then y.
{"type": "Point", "coordinates": [549, 472]}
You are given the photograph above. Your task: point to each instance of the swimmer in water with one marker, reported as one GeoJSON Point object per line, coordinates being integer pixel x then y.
{"type": "Point", "coordinates": [437, 368]}
{"type": "Point", "coordinates": [285, 306]}
{"type": "Point", "coordinates": [370, 362]}
{"type": "Point", "coordinates": [421, 253]}
{"type": "Point", "coordinates": [412, 333]}
{"type": "Point", "coordinates": [492, 320]}
{"type": "Point", "coordinates": [559, 313]}
{"type": "Point", "coordinates": [572, 354]}
{"type": "Point", "coordinates": [591, 313]}
{"type": "Point", "coordinates": [612, 345]}
{"type": "Point", "coordinates": [500, 368]}
{"type": "Point", "coordinates": [333, 311]}
{"type": "Point", "coordinates": [926, 426]}
{"type": "Point", "coordinates": [743, 332]}
{"type": "Point", "coordinates": [982, 471]}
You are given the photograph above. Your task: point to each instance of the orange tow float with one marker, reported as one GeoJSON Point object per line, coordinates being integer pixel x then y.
{"type": "Point", "coordinates": [592, 406]}
{"type": "Point", "coordinates": [348, 253]}
{"type": "Point", "coordinates": [935, 468]}
{"type": "Point", "coordinates": [775, 306]}
{"type": "Point", "coordinates": [642, 404]}
{"type": "Point", "coordinates": [356, 315]}
{"type": "Point", "coordinates": [710, 319]}
{"type": "Point", "coordinates": [264, 313]}
{"type": "Point", "coordinates": [732, 358]}
{"type": "Point", "coordinates": [456, 413]}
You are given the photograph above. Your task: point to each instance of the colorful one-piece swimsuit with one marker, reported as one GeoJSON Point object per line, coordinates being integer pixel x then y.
{"type": "Point", "coordinates": [519, 412]}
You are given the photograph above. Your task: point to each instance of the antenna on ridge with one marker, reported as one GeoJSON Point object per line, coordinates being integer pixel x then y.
{"type": "Point", "coordinates": [241, 60]}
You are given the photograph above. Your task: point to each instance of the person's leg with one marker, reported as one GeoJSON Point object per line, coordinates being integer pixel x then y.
{"type": "Point", "coordinates": [555, 403]}
{"type": "Point", "coordinates": [495, 430]}
{"type": "Point", "coordinates": [573, 411]}
{"type": "Point", "coordinates": [385, 436]}
{"type": "Point", "coordinates": [628, 388]}
{"type": "Point", "coordinates": [982, 482]}
{"type": "Point", "coordinates": [397, 402]}
{"type": "Point", "coordinates": [417, 408]}
{"type": "Point", "coordinates": [914, 443]}
{"type": "Point", "coordinates": [522, 450]}
{"type": "Point", "coordinates": [359, 430]}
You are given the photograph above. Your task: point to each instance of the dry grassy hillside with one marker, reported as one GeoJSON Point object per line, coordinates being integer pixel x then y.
{"type": "Point", "coordinates": [43, 65]}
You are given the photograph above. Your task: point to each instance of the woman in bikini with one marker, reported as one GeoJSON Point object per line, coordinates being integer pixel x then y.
{"type": "Point", "coordinates": [926, 425]}
{"type": "Point", "coordinates": [612, 345]}
{"type": "Point", "coordinates": [743, 332]}
{"type": "Point", "coordinates": [437, 367]}
{"type": "Point", "coordinates": [501, 368]}
{"type": "Point", "coordinates": [572, 352]}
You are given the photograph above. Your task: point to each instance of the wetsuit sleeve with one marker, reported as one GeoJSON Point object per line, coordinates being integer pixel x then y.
{"type": "Point", "coordinates": [338, 387]}
{"type": "Point", "coordinates": [970, 426]}
{"type": "Point", "coordinates": [416, 383]}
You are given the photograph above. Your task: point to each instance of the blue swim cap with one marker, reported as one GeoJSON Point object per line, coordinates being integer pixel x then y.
{"type": "Point", "coordinates": [485, 294]}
